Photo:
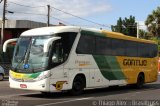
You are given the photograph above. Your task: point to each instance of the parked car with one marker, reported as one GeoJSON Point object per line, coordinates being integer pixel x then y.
{"type": "Point", "coordinates": [1, 73]}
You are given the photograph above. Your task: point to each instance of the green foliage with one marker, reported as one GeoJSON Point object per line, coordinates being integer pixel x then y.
{"type": "Point", "coordinates": [153, 22]}
{"type": "Point", "coordinates": [153, 25]}
{"type": "Point", "coordinates": [155, 39]}
{"type": "Point", "coordinates": [126, 26]}
{"type": "Point", "coordinates": [144, 34]}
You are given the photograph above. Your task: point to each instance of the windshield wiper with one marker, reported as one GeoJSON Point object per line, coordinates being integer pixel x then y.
{"type": "Point", "coordinates": [19, 62]}
{"type": "Point", "coordinates": [26, 59]}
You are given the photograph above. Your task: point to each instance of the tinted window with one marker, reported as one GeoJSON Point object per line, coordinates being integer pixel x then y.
{"type": "Point", "coordinates": [103, 46]}
{"type": "Point", "coordinates": [152, 50]}
{"type": "Point", "coordinates": [131, 48]}
{"type": "Point", "coordinates": [67, 39]}
{"type": "Point", "coordinates": [86, 45]}
{"type": "Point", "coordinates": [99, 45]}
{"type": "Point", "coordinates": [143, 50]}
{"type": "Point", "coordinates": [118, 47]}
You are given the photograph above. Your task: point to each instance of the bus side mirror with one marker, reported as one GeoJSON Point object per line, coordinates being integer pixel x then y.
{"type": "Point", "coordinates": [48, 43]}
{"type": "Point", "coordinates": [7, 42]}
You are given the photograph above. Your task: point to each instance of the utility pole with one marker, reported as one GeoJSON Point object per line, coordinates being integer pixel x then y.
{"type": "Point", "coordinates": [3, 20]}
{"type": "Point", "coordinates": [48, 15]}
{"type": "Point", "coordinates": [137, 29]}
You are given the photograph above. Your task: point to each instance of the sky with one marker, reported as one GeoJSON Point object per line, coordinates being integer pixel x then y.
{"type": "Point", "coordinates": [88, 13]}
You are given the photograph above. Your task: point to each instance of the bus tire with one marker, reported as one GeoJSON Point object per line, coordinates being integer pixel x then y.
{"type": "Point", "coordinates": [140, 81]}
{"type": "Point", "coordinates": [78, 86]}
{"type": "Point", "coordinates": [1, 77]}
{"type": "Point", "coordinates": [46, 93]}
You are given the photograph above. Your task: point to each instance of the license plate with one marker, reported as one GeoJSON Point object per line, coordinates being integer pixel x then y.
{"type": "Point", "coordinates": [23, 85]}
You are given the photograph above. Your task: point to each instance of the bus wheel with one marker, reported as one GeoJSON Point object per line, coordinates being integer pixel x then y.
{"type": "Point", "coordinates": [140, 80]}
{"type": "Point", "coordinates": [1, 77]}
{"type": "Point", "coordinates": [78, 85]}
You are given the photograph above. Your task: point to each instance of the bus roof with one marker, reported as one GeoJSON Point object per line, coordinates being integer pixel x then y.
{"type": "Point", "coordinates": [125, 37]}
{"type": "Point", "coordinates": [59, 29]}
{"type": "Point", "coordinates": [50, 30]}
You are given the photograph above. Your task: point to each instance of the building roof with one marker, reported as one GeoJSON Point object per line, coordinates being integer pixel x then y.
{"type": "Point", "coordinates": [22, 24]}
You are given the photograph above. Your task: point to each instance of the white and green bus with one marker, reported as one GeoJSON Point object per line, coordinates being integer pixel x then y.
{"type": "Point", "coordinates": [69, 58]}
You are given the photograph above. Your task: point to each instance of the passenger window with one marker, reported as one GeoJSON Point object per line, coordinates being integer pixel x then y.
{"type": "Point", "coordinates": [131, 48]}
{"type": "Point", "coordinates": [86, 45]}
{"type": "Point", "coordinates": [103, 46]}
{"type": "Point", "coordinates": [118, 47]}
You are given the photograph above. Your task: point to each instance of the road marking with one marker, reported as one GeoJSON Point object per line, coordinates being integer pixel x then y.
{"type": "Point", "coordinates": [79, 99]}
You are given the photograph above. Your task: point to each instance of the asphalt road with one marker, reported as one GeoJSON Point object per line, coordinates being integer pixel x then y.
{"type": "Point", "coordinates": [112, 96]}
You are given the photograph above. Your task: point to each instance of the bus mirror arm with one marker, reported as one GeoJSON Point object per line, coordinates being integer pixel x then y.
{"type": "Point", "coordinates": [48, 43]}
{"type": "Point", "coordinates": [7, 42]}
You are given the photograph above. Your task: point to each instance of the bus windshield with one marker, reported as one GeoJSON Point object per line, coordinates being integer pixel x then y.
{"type": "Point", "coordinates": [29, 55]}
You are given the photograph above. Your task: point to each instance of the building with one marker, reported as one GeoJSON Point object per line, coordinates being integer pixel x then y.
{"type": "Point", "coordinates": [13, 28]}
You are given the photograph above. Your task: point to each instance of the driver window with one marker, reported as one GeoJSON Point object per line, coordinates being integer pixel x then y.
{"type": "Point", "coordinates": [60, 49]}
{"type": "Point", "coordinates": [57, 53]}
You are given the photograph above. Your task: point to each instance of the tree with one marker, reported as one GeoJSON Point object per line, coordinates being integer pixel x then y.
{"type": "Point", "coordinates": [153, 22]}
{"type": "Point", "coordinates": [127, 26]}
{"type": "Point", "coordinates": [144, 34]}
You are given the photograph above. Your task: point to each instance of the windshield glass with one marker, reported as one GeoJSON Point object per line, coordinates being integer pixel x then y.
{"type": "Point", "coordinates": [29, 55]}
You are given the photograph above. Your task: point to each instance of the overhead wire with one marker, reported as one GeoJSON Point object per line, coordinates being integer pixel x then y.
{"type": "Point", "coordinates": [63, 12]}
{"type": "Point", "coordinates": [25, 5]}
{"type": "Point", "coordinates": [61, 20]}
{"type": "Point", "coordinates": [34, 13]}
{"type": "Point", "coordinates": [18, 12]}
{"type": "Point", "coordinates": [29, 13]}
{"type": "Point", "coordinates": [80, 17]}
{"type": "Point", "coordinates": [87, 20]}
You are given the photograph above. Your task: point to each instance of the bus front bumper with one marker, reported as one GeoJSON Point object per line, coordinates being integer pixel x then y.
{"type": "Point", "coordinates": [41, 85]}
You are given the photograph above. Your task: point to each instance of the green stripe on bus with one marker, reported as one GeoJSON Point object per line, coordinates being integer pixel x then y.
{"type": "Point", "coordinates": [104, 67]}
{"type": "Point", "coordinates": [115, 67]}
{"type": "Point", "coordinates": [35, 75]}
{"type": "Point", "coordinates": [109, 67]}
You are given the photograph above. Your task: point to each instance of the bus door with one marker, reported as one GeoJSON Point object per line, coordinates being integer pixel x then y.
{"type": "Point", "coordinates": [56, 59]}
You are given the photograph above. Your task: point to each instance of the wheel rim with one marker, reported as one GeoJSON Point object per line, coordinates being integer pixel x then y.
{"type": "Point", "coordinates": [78, 85]}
